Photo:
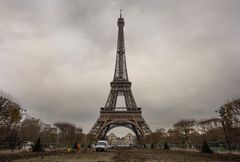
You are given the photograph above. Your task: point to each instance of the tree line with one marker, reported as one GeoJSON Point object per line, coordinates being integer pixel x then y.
{"type": "Point", "coordinates": [224, 130]}
{"type": "Point", "coordinates": [15, 129]}
{"type": "Point", "coordinates": [190, 133]}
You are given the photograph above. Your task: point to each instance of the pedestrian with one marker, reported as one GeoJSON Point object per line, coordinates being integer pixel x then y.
{"type": "Point", "coordinates": [78, 147]}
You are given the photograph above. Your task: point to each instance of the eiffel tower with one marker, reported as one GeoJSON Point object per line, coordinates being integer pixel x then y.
{"type": "Point", "coordinates": [129, 116]}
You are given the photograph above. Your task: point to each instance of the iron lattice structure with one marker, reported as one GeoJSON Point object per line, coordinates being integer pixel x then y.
{"type": "Point", "coordinates": [112, 116]}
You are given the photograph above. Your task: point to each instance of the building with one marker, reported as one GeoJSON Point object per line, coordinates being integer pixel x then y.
{"type": "Point", "coordinates": [112, 139]}
{"type": "Point", "coordinates": [127, 140]}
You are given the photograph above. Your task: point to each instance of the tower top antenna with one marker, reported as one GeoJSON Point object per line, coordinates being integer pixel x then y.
{"type": "Point", "coordinates": [120, 13]}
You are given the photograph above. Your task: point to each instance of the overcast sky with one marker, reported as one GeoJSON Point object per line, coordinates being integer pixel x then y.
{"type": "Point", "coordinates": [57, 57]}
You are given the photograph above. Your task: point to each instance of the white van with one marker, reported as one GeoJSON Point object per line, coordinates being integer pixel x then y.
{"type": "Point", "coordinates": [102, 145]}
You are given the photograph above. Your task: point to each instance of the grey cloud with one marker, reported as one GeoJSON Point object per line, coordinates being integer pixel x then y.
{"type": "Point", "coordinates": [57, 57]}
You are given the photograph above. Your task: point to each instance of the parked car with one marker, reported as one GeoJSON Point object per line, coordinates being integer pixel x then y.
{"type": "Point", "coordinates": [102, 145]}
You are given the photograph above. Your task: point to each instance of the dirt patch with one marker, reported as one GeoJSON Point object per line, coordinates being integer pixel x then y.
{"type": "Point", "coordinates": [123, 155]}
{"type": "Point", "coordinates": [142, 155]}
{"type": "Point", "coordinates": [9, 157]}
{"type": "Point", "coordinates": [73, 157]}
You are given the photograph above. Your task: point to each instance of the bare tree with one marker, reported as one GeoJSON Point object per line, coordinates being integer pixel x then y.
{"type": "Point", "coordinates": [10, 115]}
{"type": "Point", "coordinates": [157, 137]}
{"type": "Point", "coordinates": [230, 118]}
{"type": "Point", "coordinates": [161, 131]}
{"type": "Point", "coordinates": [186, 128]}
{"type": "Point", "coordinates": [68, 132]}
{"type": "Point", "coordinates": [79, 136]}
{"type": "Point", "coordinates": [48, 134]}
{"type": "Point", "coordinates": [232, 111]}
{"type": "Point", "coordinates": [211, 130]}
{"type": "Point", "coordinates": [89, 139]}
{"type": "Point", "coordinates": [174, 136]}
{"type": "Point", "coordinates": [30, 129]}
{"type": "Point", "coordinates": [210, 124]}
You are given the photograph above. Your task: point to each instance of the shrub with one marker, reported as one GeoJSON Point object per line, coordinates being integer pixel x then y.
{"type": "Point", "coordinates": [75, 146]}
{"type": "Point", "coordinates": [152, 146]}
{"type": "Point", "coordinates": [166, 146]}
{"type": "Point", "coordinates": [37, 147]}
{"type": "Point", "coordinates": [206, 148]}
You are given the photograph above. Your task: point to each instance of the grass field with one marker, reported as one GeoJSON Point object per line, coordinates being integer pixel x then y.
{"type": "Point", "coordinates": [134, 155]}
